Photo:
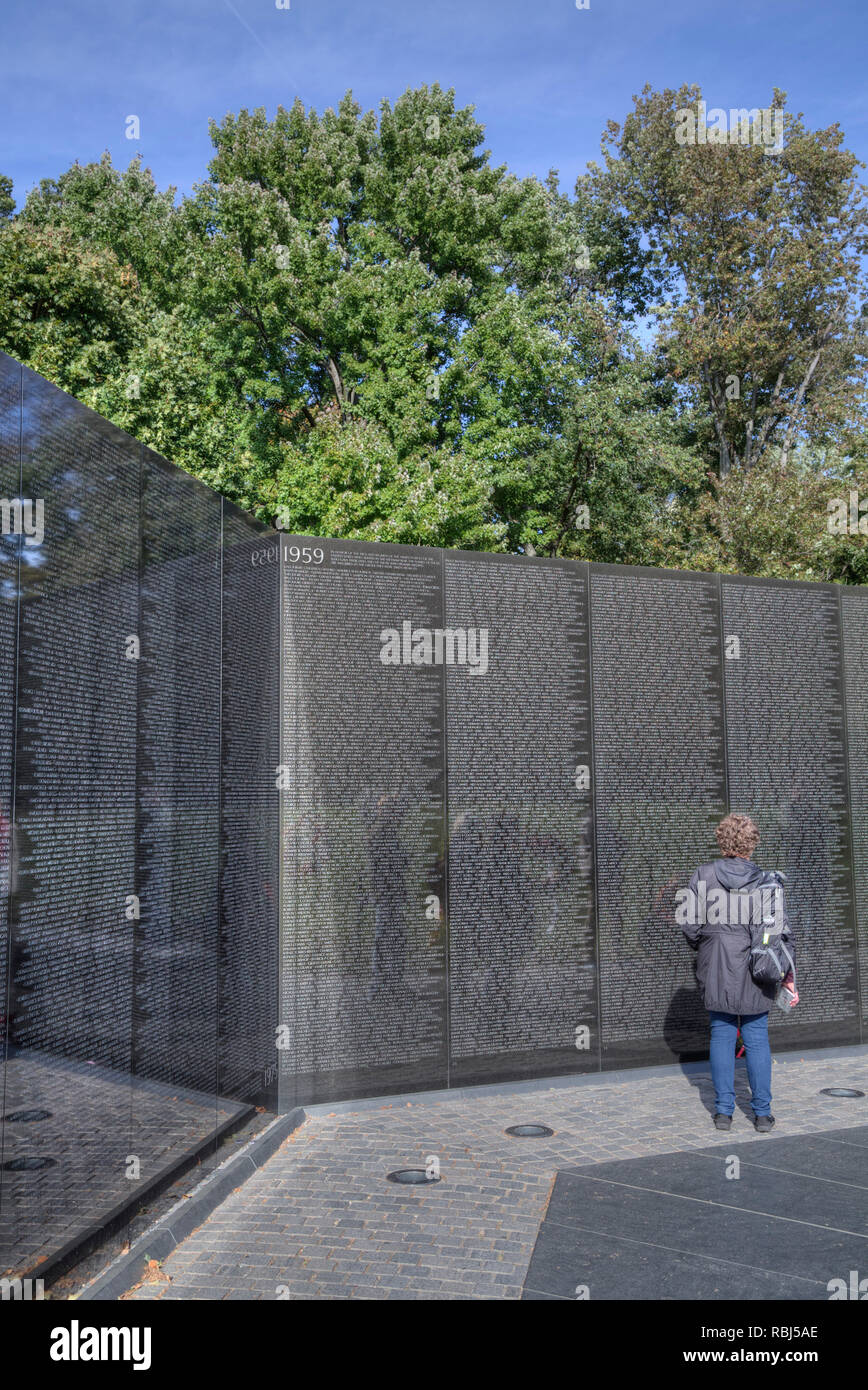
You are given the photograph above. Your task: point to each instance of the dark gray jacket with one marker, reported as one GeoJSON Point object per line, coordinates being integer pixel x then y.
{"type": "Point", "coordinates": [723, 948]}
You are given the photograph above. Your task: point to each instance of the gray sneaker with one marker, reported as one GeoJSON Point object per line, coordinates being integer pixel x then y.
{"type": "Point", "coordinates": [763, 1123]}
{"type": "Point", "coordinates": [722, 1121]}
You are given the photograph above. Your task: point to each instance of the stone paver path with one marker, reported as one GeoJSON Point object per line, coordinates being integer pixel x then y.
{"type": "Point", "coordinates": [321, 1221]}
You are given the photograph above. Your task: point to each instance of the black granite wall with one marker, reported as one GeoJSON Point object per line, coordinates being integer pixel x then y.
{"type": "Point", "coordinates": [285, 819]}
{"type": "Point", "coordinates": [480, 859]}
{"type": "Point", "coordinates": [138, 816]}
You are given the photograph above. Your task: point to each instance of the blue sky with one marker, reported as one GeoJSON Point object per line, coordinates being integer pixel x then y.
{"type": "Point", "coordinates": [543, 75]}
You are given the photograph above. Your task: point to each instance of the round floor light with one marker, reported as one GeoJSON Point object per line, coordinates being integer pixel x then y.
{"type": "Point", "coordinates": [26, 1117]}
{"type": "Point", "coordinates": [530, 1131]}
{"type": "Point", "coordinates": [28, 1164]}
{"type": "Point", "coordinates": [842, 1092]}
{"type": "Point", "coordinates": [411, 1177]}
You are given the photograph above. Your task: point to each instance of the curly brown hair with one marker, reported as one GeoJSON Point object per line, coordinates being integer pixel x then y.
{"type": "Point", "coordinates": [738, 836]}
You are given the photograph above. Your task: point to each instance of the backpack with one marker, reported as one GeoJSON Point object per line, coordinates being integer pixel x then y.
{"type": "Point", "coordinates": [770, 960]}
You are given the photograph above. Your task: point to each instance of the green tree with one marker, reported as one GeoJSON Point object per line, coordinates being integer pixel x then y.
{"type": "Point", "coordinates": [356, 321]}
{"type": "Point", "coordinates": [7, 202]}
{"type": "Point", "coordinates": [71, 312]}
{"type": "Point", "coordinates": [753, 256]}
{"type": "Point", "coordinates": [362, 276]}
{"type": "Point", "coordinates": [91, 289]}
{"type": "Point", "coordinates": [779, 522]}
{"type": "Point", "coordinates": [118, 210]}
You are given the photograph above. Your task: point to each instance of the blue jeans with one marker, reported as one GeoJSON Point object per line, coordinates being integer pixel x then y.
{"type": "Point", "coordinates": [755, 1034]}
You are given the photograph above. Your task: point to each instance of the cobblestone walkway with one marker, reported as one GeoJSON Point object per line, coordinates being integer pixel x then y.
{"type": "Point", "coordinates": [321, 1221]}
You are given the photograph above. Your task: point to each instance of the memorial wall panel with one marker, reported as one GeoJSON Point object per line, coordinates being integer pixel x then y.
{"type": "Point", "coordinates": [854, 619]}
{"type": "Point", "coordinates": [111, 647]}
{"type": "Point", "coordinates": [522, 961]}
{"type": "Point", "coordinates": [71, 947]}
{"type": "Point", "coordinates": [250, 752]}
{"type": "Point", "coordinates": [363, 966]}
{"type": "Point", "coordinates": [10, 487]}
{"type": "Point", "coordinates": [176, 940]}
{"type": "Point", "coordinates": [75, 788]}
{"type": "Point", "coordinates": [787, 767]}
{"type": "Point", "coordinates": [659, 790]}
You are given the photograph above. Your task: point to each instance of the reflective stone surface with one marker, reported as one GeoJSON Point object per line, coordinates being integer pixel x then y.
{"type": "Point", "coordinates": [583, 755]}
{"type": "Point", "coordinates": [122, 992]}
{"type": "Point", "coordinates": [285, 820]}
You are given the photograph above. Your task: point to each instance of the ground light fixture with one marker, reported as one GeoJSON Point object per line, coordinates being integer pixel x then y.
{"type": "Point", "coordinates": [842, 1092]}
{"type": "Point", "coordinates": [412, 1177]}
{"type": "Point", "coordinates": [529, 1131]}
{"type": "Point", "coordinates": [28, 1163]}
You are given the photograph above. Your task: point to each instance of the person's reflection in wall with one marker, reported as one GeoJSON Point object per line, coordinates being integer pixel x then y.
{"type": "Point", "coordinates": [20, 976]}
{"type": "Point", "coordinates": [388, 862]}
{"type": "Point", "coordinates": [684, 1026]}
{"type": "Point", "coordinates": [159, 834]}
{"type": "Point", "coordinates": [553, 864]}
{"type": "Point", "coordinates": [658, 923]}
{"type": "Point", "coordinates": [808, 844]}
{"type": "Point", "coordinates": [303, 846]}
{"type": "Point", "coordinates": [513, 913]}
{"type": "Point", "coordinates": [468, 889]}
{"type": "Point", "coordinates": [5, 852]}
{"type": "Point", "coordinates": [611, 851]}
{"type": "Point", "coordinates": [5, 885]}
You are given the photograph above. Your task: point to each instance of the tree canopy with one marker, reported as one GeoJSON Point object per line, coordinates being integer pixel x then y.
{"type": "Point", "coordinates": [359, 325]}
